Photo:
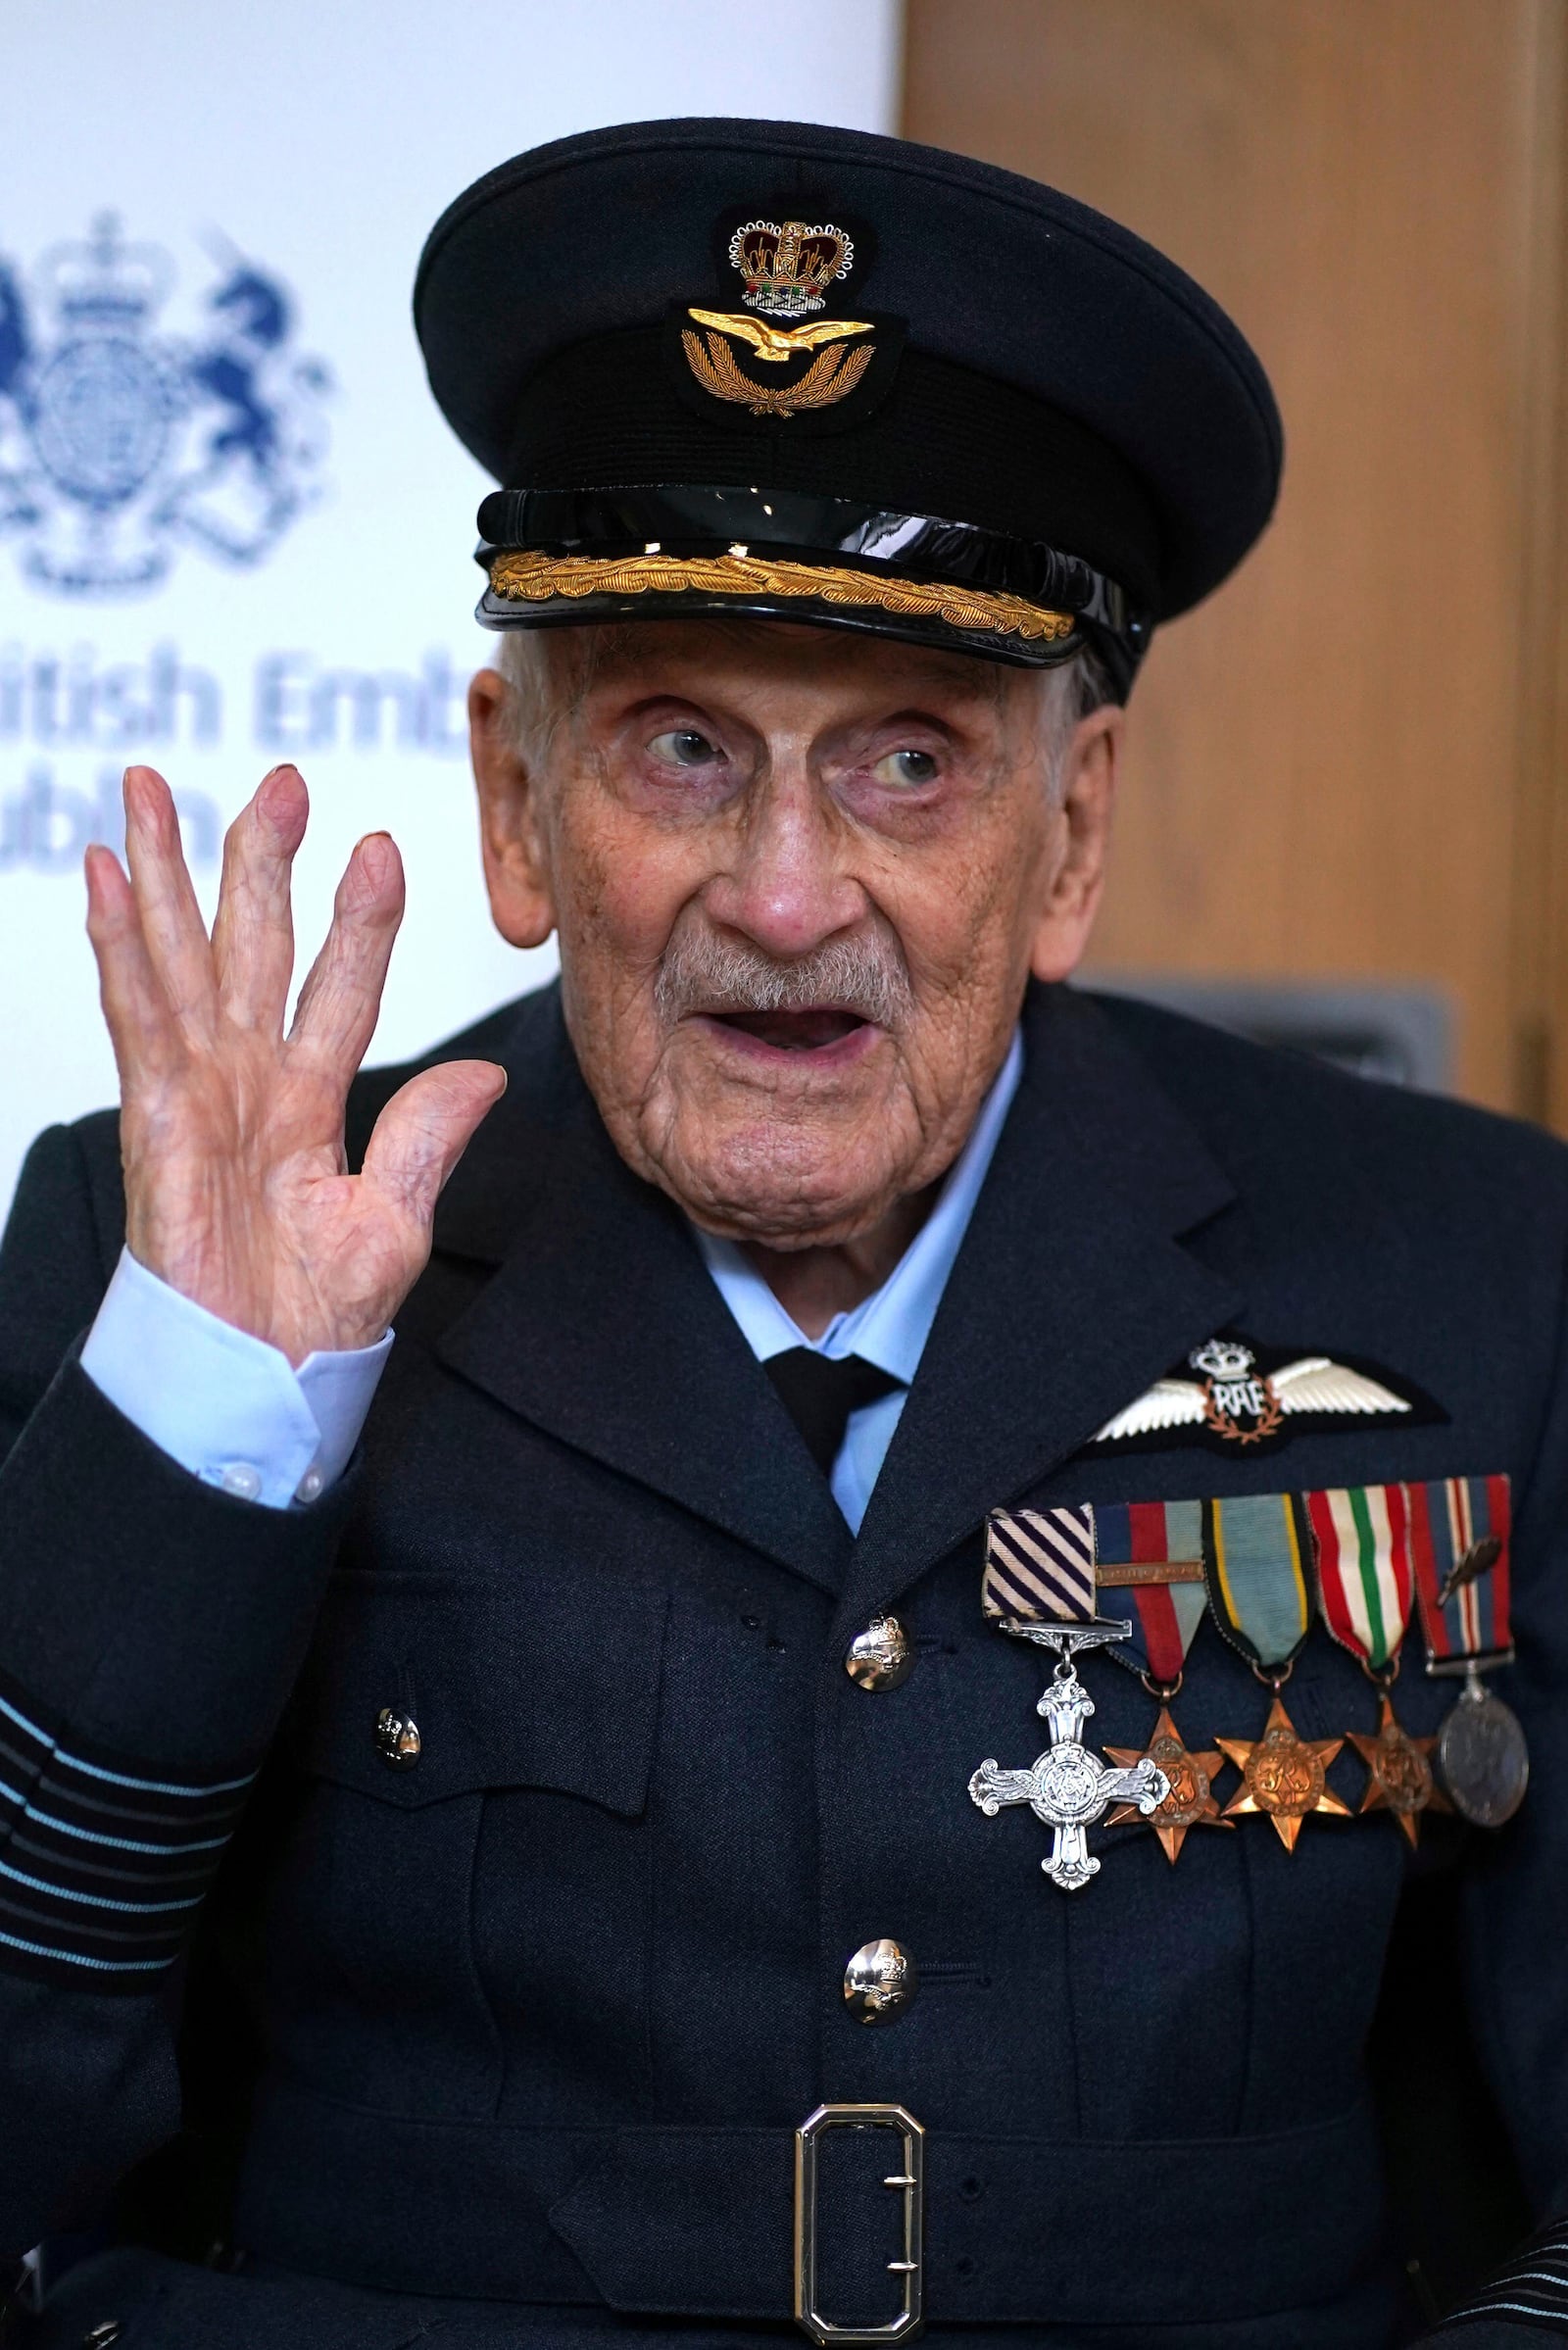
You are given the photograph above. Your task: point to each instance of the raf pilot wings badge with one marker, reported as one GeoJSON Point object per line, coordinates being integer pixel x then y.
{"type": "Point", "coordinates": [1248, 1396]}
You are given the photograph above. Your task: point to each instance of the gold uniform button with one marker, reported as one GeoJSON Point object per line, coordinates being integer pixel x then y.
{"type": "Point", "coordinates": [881, 1656]}
{"type": "Point", "coordinates": [397, 1739]}
{"type": "Point", "coordinates": [879, 1982]}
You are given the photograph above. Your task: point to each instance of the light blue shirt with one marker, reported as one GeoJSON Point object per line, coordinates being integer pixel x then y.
{"type": "Point", "coordinates": [229, 1408]}
{"type": "Point", "coordinates": [233, 1411]}
{"type": "Point", "coordinates": [890, 1328]}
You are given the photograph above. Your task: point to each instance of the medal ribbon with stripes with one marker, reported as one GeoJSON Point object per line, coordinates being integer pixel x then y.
{"type": "Point", "coordinates": [1366, 1575]}
{"type": "Point", "coordinates": [1459, 1529]}
{"type": "Point", "coordinates": [1151, 1554]}
{"type": "Point", "coordinates": [1040, 1566]}
{"type": "Point", "coordinates": [1038, 1584]}
{"type": "Point", "coordinates": [1366, 1590]}
{"type": "Point", "coordinates": [1257, 1552]}
{"type": "Point", "coordinates": [1459, 1539]}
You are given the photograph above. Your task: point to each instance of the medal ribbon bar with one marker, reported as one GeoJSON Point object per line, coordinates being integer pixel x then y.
{"type": "Point", "coordinates": [1366, 1580]}
{"type": "Point", "coordinates": [1459, 1530]}
{"type": "Point", "coordinates": [1153, 1551]}
{"type": "Point", "coordinates": [1258, 1549]}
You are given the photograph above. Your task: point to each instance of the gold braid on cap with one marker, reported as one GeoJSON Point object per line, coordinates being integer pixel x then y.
{"type": "Point", "coordinates": [532, 578]}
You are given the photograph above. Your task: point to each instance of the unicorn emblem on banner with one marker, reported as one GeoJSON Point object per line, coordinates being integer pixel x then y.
{"type": "Point", "coordinates": [121, 444]}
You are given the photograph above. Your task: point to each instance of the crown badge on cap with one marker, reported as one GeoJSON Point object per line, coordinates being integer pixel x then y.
{"type": "Point", "coordinates": [786, 266]}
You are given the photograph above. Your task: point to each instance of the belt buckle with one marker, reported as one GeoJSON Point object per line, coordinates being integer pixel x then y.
{"type": "Point", "coordinates": [907, 2179]}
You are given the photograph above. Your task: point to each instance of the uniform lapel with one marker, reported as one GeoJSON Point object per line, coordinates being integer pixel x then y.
{"type": "Point", "coordinates": [602, 1326]}
{"type": "Point", "coordinates": [1070, 1293]}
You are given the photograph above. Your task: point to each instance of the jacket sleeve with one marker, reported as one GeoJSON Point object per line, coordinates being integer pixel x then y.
{"type": "Point", "coordinates": [1514, 1915]}
{"type": "Point", "coordinates": [151, 1627]}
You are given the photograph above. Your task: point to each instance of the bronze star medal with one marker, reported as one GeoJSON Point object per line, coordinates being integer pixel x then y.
{"type": "Point", "coordinates": [1282, 1775]}
{"type": "Point", "coordinates": [1399, 1771]}
{"type": "Point", "coordinates": [1190, 1803]}
{"type": "Point", "coordinates": [1366, 1557]}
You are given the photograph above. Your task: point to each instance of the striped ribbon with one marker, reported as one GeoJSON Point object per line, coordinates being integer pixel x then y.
{"type": "Point", "coordinates": [1040, 1565]}
{"type": "Point", "coordinates": [1153, 1551]}
{"type": "Point", "coordinates": [1448, 1517]}
{"type": "Point", "coordinates": [102, 1868]}
{"type": "Point", "coordinates": [1366, 1580]}
{"type": "Point", "coordinates": [1256, 1547]}
{"type": "Point", "coordinates": [1265, 1562]}
{"type": "Point", "coordinates": [1533, 2286]}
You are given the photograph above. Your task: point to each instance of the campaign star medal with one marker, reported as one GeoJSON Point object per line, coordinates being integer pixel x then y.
{"type": "Point", "coordinates": [1282, 1775]}
{"type": "Point", "coordinates": [1190, 1778]}
{"type": "Point", "coordinates": [1039, 1585]}
{"type": "Point", "coordinates": [1366, 1587]}
{"type": "Point", "coordinates": [1256, 1547]}
{"type": "Point", "coordinates": [1153, 1553]}
{"type": "Point", "coordinates": [1399, 1769]}
{"type": "Point", "coordinates": [1459, 1529]}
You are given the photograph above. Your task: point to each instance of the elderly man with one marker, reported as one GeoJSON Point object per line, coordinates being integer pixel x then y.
{"type": "Point", "coordinates": [502, 1833]}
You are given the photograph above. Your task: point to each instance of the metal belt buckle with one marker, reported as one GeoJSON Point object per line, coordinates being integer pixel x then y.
{"type": "Point", "coordinates": [906, 2179]}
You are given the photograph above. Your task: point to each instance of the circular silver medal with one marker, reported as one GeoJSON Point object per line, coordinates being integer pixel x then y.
{"type": "Point", "coordinates": [1484, 1758]}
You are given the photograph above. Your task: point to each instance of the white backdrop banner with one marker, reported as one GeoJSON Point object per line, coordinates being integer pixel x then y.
{"type": "Point", "coordinates": [233, 528]}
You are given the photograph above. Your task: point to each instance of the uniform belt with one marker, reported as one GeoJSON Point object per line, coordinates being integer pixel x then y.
{"type": "Point", "coordinates": [698, 2221]}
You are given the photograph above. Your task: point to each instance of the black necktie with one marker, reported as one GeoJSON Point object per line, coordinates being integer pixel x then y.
{"type": "Point", "coordinates": [820, 1395]}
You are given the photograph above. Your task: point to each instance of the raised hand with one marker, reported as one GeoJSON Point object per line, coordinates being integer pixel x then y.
{"type": "Point", "coordinates": [231, 1131]}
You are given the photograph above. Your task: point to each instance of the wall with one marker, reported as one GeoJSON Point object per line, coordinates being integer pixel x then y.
{"type": "Point", "coordinates": [1350, 764]}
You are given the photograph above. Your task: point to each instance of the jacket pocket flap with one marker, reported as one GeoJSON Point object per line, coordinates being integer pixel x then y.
{"type": "Point", "coordinates": [525, 1684]}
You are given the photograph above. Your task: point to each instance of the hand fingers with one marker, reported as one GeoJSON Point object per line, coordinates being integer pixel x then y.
{"type": "Point", "coordinates": [253, 936]}
{"type": "Point", "coordinates": [141, 1023]}
{"type": "Point", "coordinates": [172, 922]}
{"type": "Point", "coordinates": [424, 1130]}
{"type": "Point", "coordinates": [335, 1017]}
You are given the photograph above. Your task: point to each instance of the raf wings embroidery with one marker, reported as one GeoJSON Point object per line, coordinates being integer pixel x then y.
{"type": "Point", "coordinates": [1246, 1395]}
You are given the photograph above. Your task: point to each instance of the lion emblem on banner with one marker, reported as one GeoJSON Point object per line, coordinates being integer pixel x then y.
{"type": "Point", "coordinates": [121, 445]}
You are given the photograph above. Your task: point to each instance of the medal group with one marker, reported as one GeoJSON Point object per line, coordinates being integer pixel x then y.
{"type": "Point", "coordinates": [1367, 1561]}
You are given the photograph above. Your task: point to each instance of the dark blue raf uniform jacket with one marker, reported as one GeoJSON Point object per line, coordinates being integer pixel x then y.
{"type": "Point", "coordinates": [512, 2044]}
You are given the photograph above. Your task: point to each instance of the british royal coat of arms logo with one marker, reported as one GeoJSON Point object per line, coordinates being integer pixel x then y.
{"type": "Point", "coordinates": [121, 443]}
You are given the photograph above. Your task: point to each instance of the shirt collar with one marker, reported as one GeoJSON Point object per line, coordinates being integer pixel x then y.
{"type": "Point", "coordinates": [890, 1328]}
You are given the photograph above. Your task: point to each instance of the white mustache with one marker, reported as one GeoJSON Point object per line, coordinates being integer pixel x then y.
{"type": "Point", "coordinates": [702, 972]}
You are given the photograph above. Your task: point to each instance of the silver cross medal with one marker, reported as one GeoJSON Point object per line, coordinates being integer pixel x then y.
{"type": "Point", "coordinates": [1068, 1786]}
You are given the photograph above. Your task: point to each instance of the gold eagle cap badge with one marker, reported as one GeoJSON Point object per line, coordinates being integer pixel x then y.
{"type": "Point", "coordinates": [1247, 1397]}
{"type": "Point", "coordinates": [804, 368]}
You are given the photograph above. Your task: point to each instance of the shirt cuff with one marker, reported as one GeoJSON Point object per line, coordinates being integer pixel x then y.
{"type": "Point", "coordinates": [225, 1405]}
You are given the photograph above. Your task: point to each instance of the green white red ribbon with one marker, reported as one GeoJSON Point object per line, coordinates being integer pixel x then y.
{"type": "Point", "coordinates": [1365, 1571]}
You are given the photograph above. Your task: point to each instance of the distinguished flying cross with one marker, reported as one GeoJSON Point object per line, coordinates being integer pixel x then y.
{"type": "Point", "coordinates": [1068, 1786]}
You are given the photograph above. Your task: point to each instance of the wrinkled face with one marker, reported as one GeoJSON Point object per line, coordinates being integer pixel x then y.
{"type": "Point", "coordinates": [799, 879]}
